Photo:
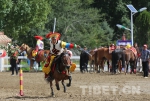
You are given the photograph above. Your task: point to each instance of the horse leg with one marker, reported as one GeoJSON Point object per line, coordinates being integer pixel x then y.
{"type": "Point", "coordinates": [52, 91]}
{"type": "Point", "coordinates": [126, 68]}
{"type": "Point", "coordinates": [96, 68]}
{"type": "Point", "coordinates": [63, 85]}
{"type": "Point", "coordinates": [114, 66]}
{"type": "Point", "coordinates": [70, 79]}
{"type": "Point", "coordinates": [120, 66]}
{"type": "Point", "coordinates": [108, 65]}
{"type": "Point", "coordinates": [131, 67]}
{"type": "Point", "coordinates": [31, 64]}
{"type": "Point", "coordinates": [90, 67]}
{"type": "Point", "coordinates": [57, 85]}
{"type": "Point", "coordinates": [103, 64]}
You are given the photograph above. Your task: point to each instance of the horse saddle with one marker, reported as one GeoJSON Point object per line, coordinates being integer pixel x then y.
{"type": "Point", "coordinates": [37, 54]}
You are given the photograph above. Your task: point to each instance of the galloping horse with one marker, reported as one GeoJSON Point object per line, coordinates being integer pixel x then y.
{"type": "Point", "coordinates": [60, 70]}
{"type": "Point", "coordinates": [39, 58]}
{"type": "Point", "coordinates": [101, 55]}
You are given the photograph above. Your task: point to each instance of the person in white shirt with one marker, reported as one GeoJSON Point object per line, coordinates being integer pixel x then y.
{"type": "Point", "coordinates": [39, 45]}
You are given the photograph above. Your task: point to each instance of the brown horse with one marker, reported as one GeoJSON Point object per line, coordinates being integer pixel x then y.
{"type": "Point", "coordinates": [101, 55]}
{"type": "Point", "coordinates": [39, 58]}
{"type": "Point", "coordinates": [60, 72]}
{"type": "Point", "coordinates": [131, 58]}
{"type": "Point", "coordinates": [91, 60]}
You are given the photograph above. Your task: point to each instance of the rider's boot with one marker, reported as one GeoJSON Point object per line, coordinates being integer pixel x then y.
{"type": "Point", "coordinates": [50, 77]}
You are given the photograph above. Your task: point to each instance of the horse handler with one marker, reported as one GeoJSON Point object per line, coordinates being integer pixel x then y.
{"type": "Point", "coordinates": [145, 55]}
{"type": "Point", "coordinates": [56, 48]}
{"type": "Point", "coordinates": [14, 61]}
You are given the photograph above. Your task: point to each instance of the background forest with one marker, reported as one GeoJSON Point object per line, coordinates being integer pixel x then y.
{"type": "Point", "coordinates": [84, 22]}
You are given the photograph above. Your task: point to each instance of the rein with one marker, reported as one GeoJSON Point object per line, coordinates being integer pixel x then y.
{"type": "Point", "coordinates": [63, 64]}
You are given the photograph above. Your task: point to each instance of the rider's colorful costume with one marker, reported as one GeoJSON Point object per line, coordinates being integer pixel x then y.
{"type": "Point", "coordinates": [39, 45]}
{"type": "Point", "coordinates": [55, 50]}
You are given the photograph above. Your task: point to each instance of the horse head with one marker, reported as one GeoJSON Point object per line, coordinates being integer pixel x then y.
{"type": "Point", "coordinates": [23, 47]}
{"type": "Point", "coordinates": [65, 60]}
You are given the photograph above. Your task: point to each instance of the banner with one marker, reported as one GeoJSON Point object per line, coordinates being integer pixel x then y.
{"type": "Point", "coordinates": [124, 43]}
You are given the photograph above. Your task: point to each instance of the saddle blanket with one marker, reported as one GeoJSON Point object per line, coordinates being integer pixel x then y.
{"type": "Point", "coordinates": [133, 50]}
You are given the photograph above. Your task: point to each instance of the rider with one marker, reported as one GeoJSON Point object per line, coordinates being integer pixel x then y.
{"type": "Point", "coordinates": [112, 47]}
{"type": "Point", "coordinates": [39, 45]}
{"type": "Point", "coordinates": [137, 49]}
{"type": "Point", "coordinates": [56, 48]}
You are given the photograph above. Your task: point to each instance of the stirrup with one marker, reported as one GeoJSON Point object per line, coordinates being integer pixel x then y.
{"type": "Point", "coordinates": [33, 58]}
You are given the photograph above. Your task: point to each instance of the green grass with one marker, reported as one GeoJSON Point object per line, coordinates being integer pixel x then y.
{"type": "Point", "coordinates": [24, 62]}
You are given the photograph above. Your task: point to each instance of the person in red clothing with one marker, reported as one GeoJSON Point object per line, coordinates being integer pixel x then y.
{"type": "Point", "coordinates": [39, 45]}
{"type": "Point", "coordinates": [123, 37]}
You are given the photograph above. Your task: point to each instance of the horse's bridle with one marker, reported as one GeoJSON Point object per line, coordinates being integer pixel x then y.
{"type": "Point", "coordinates": [66, 66]}
{"type": "Point", "coordinates": [22, 47]}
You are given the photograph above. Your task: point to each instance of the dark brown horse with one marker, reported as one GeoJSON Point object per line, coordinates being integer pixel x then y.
{"type": "Point", "coordinates": [101, 55]}
{"type": "Point", "coordinates": [39, 58]}
{"type": "Point", "coordinates": [60, 72]}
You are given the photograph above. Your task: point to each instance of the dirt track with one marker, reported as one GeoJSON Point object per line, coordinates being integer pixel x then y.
{"type": "Point", "coordinates": [85, 87]}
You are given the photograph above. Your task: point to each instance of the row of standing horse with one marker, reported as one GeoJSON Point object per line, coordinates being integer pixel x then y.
{"type": "Point", "coordinates": [118, 59]}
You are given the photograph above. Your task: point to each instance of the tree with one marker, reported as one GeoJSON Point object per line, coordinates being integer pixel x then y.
{"type": "Point", "coordinates": [24, 15]}
{"type": "Point", "coordinates": [143, 28]}
{"type": "Point", "coordinates": [78, 22]}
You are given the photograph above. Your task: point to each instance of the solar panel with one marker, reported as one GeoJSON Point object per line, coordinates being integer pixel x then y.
{"type": "Point", "coordinates": [132, 9]}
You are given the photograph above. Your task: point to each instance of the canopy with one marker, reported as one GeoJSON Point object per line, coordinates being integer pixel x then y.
{"type": "Point", "coordinates": [4, 39]}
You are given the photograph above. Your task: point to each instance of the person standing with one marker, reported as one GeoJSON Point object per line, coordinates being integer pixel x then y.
{"type": "Point", "coordinates": [139, 62]}
{"type": "Point", "coordinates": [13, 62]}
{"type": "Point", "coordinates": [137, 49]}
{"type": "Point", "coordinates": [145, 55]}
{"type": "Point", "coordinates": [124, 37]}
{"type": "Point", "coordinates": [84, 58]}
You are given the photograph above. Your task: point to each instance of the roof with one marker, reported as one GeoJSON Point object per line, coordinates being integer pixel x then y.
{"type": "Point", "coordinates": [4, 38]}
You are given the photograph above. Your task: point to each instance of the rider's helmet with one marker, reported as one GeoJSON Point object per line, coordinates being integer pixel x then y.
{"type": "Point", "coordinates": [38, 37]}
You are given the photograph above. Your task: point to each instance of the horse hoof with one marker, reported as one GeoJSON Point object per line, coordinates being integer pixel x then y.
{"type": "Point", "coordinates": [58, 88]}
{"type": "Point", "coordinates": [68, 85]}
{"type": "Point", "coordinates": [53, 95]}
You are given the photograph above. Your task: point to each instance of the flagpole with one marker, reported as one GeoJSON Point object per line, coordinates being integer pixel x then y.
{"type": "Point", "coordinates": [54, 25]}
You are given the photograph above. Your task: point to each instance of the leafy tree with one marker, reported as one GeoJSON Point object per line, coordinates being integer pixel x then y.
{"type": "Point", "coordinates": [78, 22]}
{"type": "Point", "coordinates": [143, 28]}
{"type": "Point", "coordinates": [24, 15]}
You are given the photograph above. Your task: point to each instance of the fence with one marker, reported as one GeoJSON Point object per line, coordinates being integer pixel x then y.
{"type": "Point", "coordinates": [3, 66]}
